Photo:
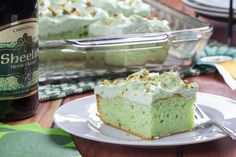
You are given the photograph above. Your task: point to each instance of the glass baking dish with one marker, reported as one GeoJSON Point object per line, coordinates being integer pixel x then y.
{"type": "Point", "coordinates": [88, 58]}
{"type": "Point", "coordinates": [63, 60]}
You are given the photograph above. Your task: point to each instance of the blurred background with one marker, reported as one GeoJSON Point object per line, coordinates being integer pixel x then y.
{"type": "Point", "coordinates": [221, 25]}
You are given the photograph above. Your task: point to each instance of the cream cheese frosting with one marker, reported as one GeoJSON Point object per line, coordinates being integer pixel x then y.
{"type": "Point", "coordinates": [109, 5]}
{"type": "Point", "coordinates": [115, 25]}
{"type": "Point", "coordinates": [127, 7]}
{"type": "Point", "coordinates": [64, 15]}
{"type": "Point", "coordinates": [103, 17]}
{"type": "Point", "coordinates": [120, 25]}
{"type": "Point", "coordinates": [134, 7]}
{"type": "Point", "coordinates": [145, 88]}
{"type": "Point", "coordinates": [143, 25]}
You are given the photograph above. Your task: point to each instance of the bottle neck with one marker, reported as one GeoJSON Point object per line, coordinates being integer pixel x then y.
{"type": "Point", "coordinates": [15, 10]}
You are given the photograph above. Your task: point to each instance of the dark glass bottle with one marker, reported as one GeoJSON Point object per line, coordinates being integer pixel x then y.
{"type": "Point", "coordinates": [18, 59]}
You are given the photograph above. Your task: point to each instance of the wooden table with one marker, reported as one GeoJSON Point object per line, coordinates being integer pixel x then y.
{"type": "Point", "coordinates": [210, 84]}
{"type": "Point", "coordinates": [220, 148]}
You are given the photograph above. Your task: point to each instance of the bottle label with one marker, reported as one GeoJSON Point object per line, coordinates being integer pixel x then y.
{"type": "Point", "coordinates": [19, 54]}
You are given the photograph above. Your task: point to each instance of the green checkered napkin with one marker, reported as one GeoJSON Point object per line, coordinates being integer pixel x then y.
{"type": "Point", "coordinates": [30, 140]}
{"type": "Point", "coordinates": [55, 90]}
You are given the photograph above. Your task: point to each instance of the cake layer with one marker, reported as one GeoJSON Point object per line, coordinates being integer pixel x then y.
{"type": "Point", "coordinates": [138, 55]}
{"type": "Point", "coordinates": [81, 32]}
{"type": "Point", "coordinates": [164, 117]}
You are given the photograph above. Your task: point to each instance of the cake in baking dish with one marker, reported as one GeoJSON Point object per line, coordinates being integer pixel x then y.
{"type": "Point", "coordinates": [75, 19]}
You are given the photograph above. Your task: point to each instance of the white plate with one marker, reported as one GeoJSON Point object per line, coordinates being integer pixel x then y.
{"type": "Point", "coordinates": [79, 118]}
{"type": "Point", "coordinates": [193, 4]}
{"type": "Point", "coordinates": [208, 12]}
{"type": "Point", "coordinates": [217, 3]}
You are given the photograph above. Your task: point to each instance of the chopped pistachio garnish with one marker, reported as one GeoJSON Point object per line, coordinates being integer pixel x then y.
{"type": "Point", "coordinates": [78, 13]}
{"type": "Point", "coordinates": [186, 81]}
{"type": "Point", "coordinates": [66, 12]}
{"type": "Point", "coordinates": [115, 82]}
{"type": "Point", "coordinates": [124, 91]}
{"type": "Point", "coordinates": [130, 77]}
{"type": "Point", "coordinates": [105, 82]}
{"type": "Point", "coordinates": [40, 14]}
{"type": "Point", "coordinates": [41, 3]}
{"type": "Point", "coordinates": [89, 4]}
{"type": "Point", "coordinates": [167, 79]}
{"type": "Point", "coordinates": [145, 72]}
{"type": "Point", "coordinates": [130, 2]}
{"type": "Point", "coordinates": [93, 13]}
{"type": "Point", "coordinates": [73, 10]}
{"type": "Point", "coordinates": [147, 90]}
{"type": "Point", "coordinates": [53, 12]}
{"type": "Point", "coordinates": [62, 6]}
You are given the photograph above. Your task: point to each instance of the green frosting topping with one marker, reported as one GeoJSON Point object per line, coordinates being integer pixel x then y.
{"type": "Point", "coordinates": [145, 88]}
{"type": "Point", "coordinates": [119, 24]}
{"type": "Point", "coordinates": [103, 17]}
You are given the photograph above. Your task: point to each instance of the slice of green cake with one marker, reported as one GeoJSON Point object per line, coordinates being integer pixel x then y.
{"type": "Point", "coordinates": [148, 104]}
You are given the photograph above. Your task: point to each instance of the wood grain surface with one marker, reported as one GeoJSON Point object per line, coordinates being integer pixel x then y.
{"type": "Point", "coordinates": [212, 83]}
{"type": "Point", "coordinates": [220, 148]}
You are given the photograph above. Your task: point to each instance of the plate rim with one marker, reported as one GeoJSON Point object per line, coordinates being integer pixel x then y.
{"type": "Point", "coordinates": [206, 12]}
{"type": "Point", "coordinates": [210, 5]}
{"type": "Point", "coordinates": [197, 6]}
{"type": "Point", "coordinates": [133, 143]}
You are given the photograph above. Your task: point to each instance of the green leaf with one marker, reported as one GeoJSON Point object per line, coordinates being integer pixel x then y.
{"type": "Point", "coordinates": [35, 144]}
{"type": "Point", "coordinates": [6, 130]}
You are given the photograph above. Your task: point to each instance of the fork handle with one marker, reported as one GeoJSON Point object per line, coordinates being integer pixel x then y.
{"type": "Point", "coordinates": [229, 132]}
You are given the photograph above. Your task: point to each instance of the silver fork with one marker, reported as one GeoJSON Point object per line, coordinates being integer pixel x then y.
{"type": "Point", "coordinates": [202, 120]}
